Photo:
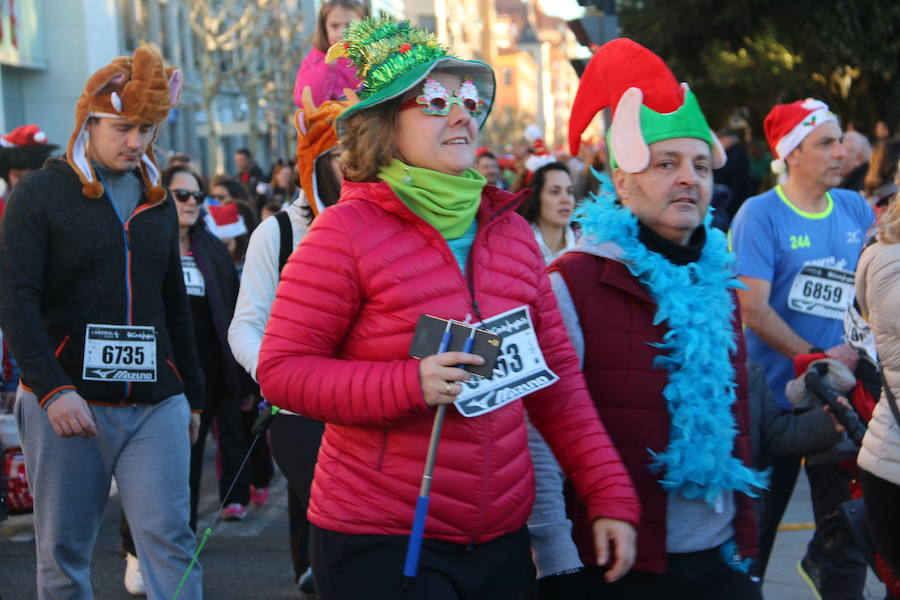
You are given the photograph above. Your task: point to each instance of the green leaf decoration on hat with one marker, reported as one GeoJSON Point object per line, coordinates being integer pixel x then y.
{"type": "Point", "coordinates": [383, 49]}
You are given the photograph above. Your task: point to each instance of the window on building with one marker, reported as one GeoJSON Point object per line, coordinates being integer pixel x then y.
{"type": "Point", "coordinates": [428, 22]}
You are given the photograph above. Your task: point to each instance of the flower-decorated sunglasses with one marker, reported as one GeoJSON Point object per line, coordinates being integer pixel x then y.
{"type": "Point", "coordinates": [436, 100]}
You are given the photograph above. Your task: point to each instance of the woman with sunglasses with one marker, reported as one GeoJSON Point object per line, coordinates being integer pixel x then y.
{"type": "Point", "coordinates": [212, 286]}
{"type": "Point", "coordinates": [417, 232]}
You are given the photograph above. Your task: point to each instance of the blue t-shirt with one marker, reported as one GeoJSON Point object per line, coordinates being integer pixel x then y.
{"type": "Point", "coordinates": [809, 259]}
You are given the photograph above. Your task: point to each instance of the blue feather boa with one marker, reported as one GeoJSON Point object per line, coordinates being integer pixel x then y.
{"type": "Point", "coordinates": [697, 306]}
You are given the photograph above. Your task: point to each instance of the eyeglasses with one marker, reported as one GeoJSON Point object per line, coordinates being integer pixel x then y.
{"type": "Point", "coordinates": [185, 195]}
{"type": "Point", "coordinates": [436, 100]}
{"type": "Point", "coordinates": [220, 197]}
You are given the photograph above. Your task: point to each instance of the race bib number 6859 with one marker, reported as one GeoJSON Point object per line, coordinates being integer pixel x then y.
{"type": "Point", "coordinates": [821, 291]}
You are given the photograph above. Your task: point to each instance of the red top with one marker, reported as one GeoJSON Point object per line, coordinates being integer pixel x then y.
{"type": "Point", "coordinates": [336, 349]}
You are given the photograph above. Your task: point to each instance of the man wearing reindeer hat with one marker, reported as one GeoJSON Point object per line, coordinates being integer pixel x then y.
{"type": "Point", "coordinates": [93, 303]}
{"type": "Point", "coordinates": [648, 299]}
{"type": "Point", "coordinates": [796, 247]}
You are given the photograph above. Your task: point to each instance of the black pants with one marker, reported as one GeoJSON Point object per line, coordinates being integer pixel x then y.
{"type": "Point", "coordinates": [223, 415]}
{"type": "Point", "coordinates": [260, 465]}
{"type": "Point", "coordinates": [295, 446]}
{"type": "Point", "coordinates": [694, 576]}
{"type": "Point", "coordinates": [349, 567]}
{"type": "Point", "coordinates": [882, 499]}
{"type": "Point", "coordinates": [842, 566]}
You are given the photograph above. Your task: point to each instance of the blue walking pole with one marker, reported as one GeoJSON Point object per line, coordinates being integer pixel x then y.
{"type": "Point", "coordinates": [411, 566]}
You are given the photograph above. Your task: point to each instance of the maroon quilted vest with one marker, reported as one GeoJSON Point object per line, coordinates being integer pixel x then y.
{"type": "Point", "coordinates": [616, 315]}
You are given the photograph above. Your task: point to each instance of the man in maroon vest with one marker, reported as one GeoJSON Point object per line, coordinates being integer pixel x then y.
{"type": "Point", "coordinates": [648, 299]}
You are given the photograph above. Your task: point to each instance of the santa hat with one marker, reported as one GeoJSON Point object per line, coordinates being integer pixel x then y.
{"type": "Point", "coordinates": [647, 102]}
{"type": "Point", "coordinates": [26, 135]}
{"type": "Point", "coordinates": [788, 124]}
{"type": "Point", "coordinates": [137, 88]}
{"type": "Point", "coordinates": [224, 221]}
{"type": "Point", "coordinates": [539, 156]}
{"type": "Point", "coordinates": [316, 136]}
{"type": "Point", "coordinates": [24, 148]}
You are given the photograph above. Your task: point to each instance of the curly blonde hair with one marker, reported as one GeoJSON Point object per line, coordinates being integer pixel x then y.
{"type": "Point", "coordinates": [889, 223]}
{"type": "Point", "coordinates": [368, 143]}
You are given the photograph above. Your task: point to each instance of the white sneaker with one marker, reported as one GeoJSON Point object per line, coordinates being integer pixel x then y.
{"type": "Point", "coordinates": [134, 581]}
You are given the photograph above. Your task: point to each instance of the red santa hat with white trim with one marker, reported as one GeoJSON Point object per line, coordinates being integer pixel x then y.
{"type": "Point", "coordinates": [26, 135]}
{"type": "Point", "coordinates": [224, 221]}
{"type": "Point", "coordinates": [24, 148]}
{"type": "Point", "coordinates": [787, 125]}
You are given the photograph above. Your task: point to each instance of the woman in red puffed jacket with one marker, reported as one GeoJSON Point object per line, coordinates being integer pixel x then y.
{"type": "Point", "coordinates": [416, 232]}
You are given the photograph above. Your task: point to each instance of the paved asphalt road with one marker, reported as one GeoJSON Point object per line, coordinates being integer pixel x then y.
{"type": "Point", "coordinates": [249, 559]}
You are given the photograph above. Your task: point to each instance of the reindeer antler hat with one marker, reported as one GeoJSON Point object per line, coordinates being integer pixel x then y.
{"type": "Point", "coordinates": [139, 89]}
{"type": "Point", "coordinates": [648, 105]}
{"type": "Point", "coordinates": [316, 136]}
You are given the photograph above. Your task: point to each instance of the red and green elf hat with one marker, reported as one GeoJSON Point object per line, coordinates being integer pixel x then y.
{"type": "Point", "coordinates": [392, 57]}
{"type": "Point", "coordinates": [648, 105]}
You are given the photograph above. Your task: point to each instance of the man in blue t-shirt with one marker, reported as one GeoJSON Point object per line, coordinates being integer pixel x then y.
{"type": "Point", "coordinates": [796, 247]}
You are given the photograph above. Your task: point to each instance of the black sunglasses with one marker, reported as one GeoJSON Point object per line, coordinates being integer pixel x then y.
{"type": "Point", "coordinates": [185, 195]}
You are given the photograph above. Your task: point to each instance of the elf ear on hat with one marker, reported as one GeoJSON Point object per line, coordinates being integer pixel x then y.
{"type": "Point", "coordinates": [393, 57]}
{"type": "Point", "coordinates": [648, 105]}
{"type": "Point", "coordinates": [315, 137]}
{"type": "Point", "coordinates": [139, 89]}
{"type": "Point", "coordinates": [788, 124]}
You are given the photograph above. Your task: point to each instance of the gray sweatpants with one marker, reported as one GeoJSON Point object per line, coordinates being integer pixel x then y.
{"type": "Point", "coordinates": [147, 448]}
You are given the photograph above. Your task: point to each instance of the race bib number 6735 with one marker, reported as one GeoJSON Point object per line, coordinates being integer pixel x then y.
{"type": "Point", "coordinates": [119, 353]}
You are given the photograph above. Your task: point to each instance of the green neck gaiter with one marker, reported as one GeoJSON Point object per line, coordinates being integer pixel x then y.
{"type": "Point", "coordinates": [447, 202]}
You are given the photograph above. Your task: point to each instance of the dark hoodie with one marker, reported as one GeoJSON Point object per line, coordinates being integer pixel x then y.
{"type": "Point", "coordinates": [67, 260]}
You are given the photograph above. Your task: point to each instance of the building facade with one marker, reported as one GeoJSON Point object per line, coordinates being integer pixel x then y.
{"type": "Point", "coordinates": [60, 43]}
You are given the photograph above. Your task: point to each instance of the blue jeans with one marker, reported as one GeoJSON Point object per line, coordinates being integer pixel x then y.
{"type": "Point", "coordinates": [147, 448]}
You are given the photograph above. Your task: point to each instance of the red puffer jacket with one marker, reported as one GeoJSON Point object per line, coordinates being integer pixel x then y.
{"type": "Point", "coordinates": [616, 314]}
{"type": "Point", "coordinates": [336, 349]}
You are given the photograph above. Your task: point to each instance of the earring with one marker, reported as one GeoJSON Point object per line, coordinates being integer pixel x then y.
{"type": "Point", "coordinates": [407, 177]}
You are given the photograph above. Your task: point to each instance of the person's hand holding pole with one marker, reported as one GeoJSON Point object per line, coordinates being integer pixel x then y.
{"type": "Point", "coordinates": [439, 387]}
{"type": "Point", "coordinates": [439, 374]}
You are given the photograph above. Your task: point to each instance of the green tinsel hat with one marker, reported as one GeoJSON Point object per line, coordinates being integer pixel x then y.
{"type": "Point", "coordinates": [648, 105]}
{"type": "Point", "coordinates": [392, 57]}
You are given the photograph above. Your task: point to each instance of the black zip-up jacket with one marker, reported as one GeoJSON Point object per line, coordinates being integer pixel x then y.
{"type": "Point", "coordinates": [222, 285]}
{"type": "Point", "coordinates": [67, 260]}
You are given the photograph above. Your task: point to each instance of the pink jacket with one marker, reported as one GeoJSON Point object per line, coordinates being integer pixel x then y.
{"type": "Point", "coordinates": [326, 80]}
{"type": "Point", "coordinates": [336, 349]}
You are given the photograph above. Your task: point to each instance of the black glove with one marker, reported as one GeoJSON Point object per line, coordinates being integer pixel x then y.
{"type": "Point", "coordinates": [263, 419]}
{"type": "Point", "coordinates": [571, 584]}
